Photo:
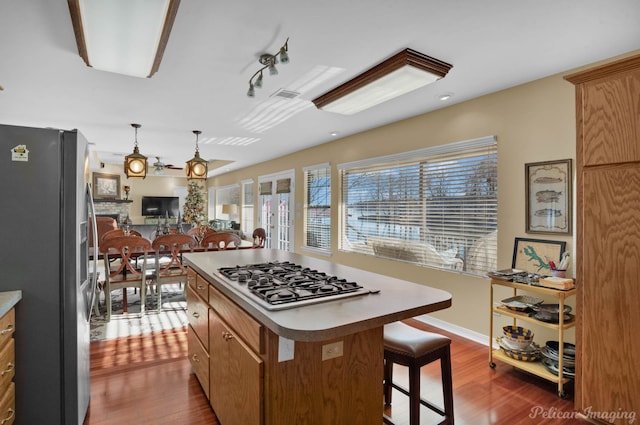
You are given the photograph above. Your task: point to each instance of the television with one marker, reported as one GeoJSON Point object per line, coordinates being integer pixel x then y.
{"type": "Point", "coordinates": [154, 206]}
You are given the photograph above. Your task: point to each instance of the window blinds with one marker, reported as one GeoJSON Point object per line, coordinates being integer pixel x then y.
{"type": "Point", "coordinates": [435, 207]}
{"type": "Point", "coordinates": [317, 221]}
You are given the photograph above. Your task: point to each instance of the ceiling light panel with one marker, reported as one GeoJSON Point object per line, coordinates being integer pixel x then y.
{"type": "Point", "coordinates": [123, 36]}
{"type": "Point", "coordinates": [400, 74]}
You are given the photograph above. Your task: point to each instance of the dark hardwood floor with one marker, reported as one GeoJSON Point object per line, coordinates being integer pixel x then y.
{"type": "Point", "coordinates": [148, 380]}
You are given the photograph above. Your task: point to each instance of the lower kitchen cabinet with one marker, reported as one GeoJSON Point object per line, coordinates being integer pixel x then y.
{"type": "Point", "coordinates": [235, 377]}
{"type": "Point", "coordinates": [7, 367]}
{"type": "Point", "coordinates": [249, 383]}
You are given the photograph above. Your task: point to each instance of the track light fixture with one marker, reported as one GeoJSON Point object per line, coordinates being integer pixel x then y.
{"type": "Point", "coordinates": [268, 61]}
{"type": "Point", "coordinates": [196, 166]}
{"type": "Point", "coordinates": [135, 164]}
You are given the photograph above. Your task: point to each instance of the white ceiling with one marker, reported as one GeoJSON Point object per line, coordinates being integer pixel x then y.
{"type": "Point", "coordinates": [213, 50]}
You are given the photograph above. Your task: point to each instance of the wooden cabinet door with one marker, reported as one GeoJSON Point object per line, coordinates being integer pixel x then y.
{"type": "Point", "coordinates": [610, 318]}
{"type": "Point", "coordinates": [236, 377]}
{"type": "Point", "coordinates": [610, 124]}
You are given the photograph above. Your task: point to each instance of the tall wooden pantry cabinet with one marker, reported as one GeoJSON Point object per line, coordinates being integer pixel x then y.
{"type": "Point", "coordinates": [608, 240]}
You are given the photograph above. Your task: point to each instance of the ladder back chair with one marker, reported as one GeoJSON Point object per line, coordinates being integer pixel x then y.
{"type": "Point", "coordinates": [168, 260]}
{"type": "Point", "coordinates": [124, 274]}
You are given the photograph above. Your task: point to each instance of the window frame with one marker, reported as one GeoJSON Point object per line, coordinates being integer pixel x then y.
{"type": "Point", "coordinates": [324, 246]}
{"type": "Point", "coordinates": [443, 229]}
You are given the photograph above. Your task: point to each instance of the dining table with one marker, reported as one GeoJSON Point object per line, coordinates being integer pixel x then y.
{"type": "Point", "coordinates": [114, 255]}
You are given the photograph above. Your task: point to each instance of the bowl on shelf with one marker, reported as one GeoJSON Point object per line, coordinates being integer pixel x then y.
{"type": "Point", "coordinates": [517, 337]}
{"type": "Point", "coordinates": [529, 354]}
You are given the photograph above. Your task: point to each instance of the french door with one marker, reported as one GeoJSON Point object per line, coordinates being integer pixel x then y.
{"type": "Point", "coordinates": [275, 198]}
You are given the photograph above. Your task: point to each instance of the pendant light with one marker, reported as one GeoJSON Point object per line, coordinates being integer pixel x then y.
{"type": "Point", "coordinates": [135, 164]}
{"type": "Point", "coordinates": [196, 166]}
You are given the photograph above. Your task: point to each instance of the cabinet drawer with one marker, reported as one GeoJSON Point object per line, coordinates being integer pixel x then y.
{"type": "Point", "coordinates": [7, 326]}
{"type": "Point", "coordinates": [198, 314]}
{"type": "Point", "coordinates": [241, 323]}
{"type": "Point", "coordinates": [7, 365]}
{"type": "Point", "coordinates": [8, 406]}
{"type": "Point", "coordinates": [198, 284]}
{"type": "Point", "coordinates": [199, 359]}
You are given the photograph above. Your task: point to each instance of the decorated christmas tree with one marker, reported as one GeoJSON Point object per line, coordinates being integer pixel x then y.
{"type": "Point", "coordinates": [193, 210]}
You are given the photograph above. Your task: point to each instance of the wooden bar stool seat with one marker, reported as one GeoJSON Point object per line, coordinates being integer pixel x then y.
{"type": "Point", "coordinates": [414, 348]}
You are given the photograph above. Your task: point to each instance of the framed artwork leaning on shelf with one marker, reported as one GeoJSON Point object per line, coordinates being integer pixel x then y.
{"type": "Point", "coordinates": [548, 197]}
{"type": "Point", "coordinates": [533, 255]}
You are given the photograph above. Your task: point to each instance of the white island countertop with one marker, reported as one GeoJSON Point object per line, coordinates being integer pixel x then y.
{"type": "Point", "coordinates": [397, 299]}
{"type": "Point", "coordinates": [8, 299]}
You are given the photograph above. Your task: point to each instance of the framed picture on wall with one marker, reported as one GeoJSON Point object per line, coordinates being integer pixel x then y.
{"type": "Point", "coordinates": [548, 197]}
{"type": "Point", "coordinates": [533, 255]}
{"type": "Point", "coordinates": [106, 186]}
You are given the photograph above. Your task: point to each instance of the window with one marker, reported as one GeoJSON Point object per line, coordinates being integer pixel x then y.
{"type": "Point", "coordinates": [435, 207]}
{"type": "Point", "coordinates": [317, 218]}
{"type": "Point", "coordinates": [230, 196]}
{"type": "Point", "coordinates": [247, 206]}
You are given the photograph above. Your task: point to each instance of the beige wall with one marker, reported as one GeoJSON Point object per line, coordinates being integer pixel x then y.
{"type": "Point", "coordinates": [533, 122]}
{"type": "Point", "coordinates": [149, 186]}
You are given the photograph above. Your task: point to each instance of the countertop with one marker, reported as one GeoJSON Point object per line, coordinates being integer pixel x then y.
{"type": "Point", "coordinates": [8, 299]}
{"type": "Point", "coordinates": [397, 299]}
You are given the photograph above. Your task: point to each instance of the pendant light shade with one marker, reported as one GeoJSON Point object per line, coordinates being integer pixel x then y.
{"type": "Point", "coordinates": [196, 167]}
{"type": "Point", "coordinates": [135, 164]}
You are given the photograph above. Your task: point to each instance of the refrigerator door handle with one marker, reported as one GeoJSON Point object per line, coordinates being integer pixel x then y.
{"type": "Point", "coordinates": [93, 270]}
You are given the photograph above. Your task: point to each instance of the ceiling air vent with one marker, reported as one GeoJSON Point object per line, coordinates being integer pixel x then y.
{"type": "Point", "coordinates": [287, 94]}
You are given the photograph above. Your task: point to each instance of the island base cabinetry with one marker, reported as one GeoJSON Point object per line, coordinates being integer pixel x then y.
{"type": "Point", "coordinates": [252, 382]}
{"type": "Point", "coordinates": [235, 376]}
{"type": "Point", "coordinates": [341, 390]}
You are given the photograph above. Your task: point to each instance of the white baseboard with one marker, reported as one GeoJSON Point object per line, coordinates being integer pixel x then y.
{"type": "Point", "coordinates": [455, 329]}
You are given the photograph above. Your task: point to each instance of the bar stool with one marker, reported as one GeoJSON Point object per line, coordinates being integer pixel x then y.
{"type": "Point", "coordinates": [412, 347]}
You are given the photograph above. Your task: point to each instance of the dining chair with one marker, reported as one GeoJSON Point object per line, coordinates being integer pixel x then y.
{"type": "Point", "coordinates": [124, 274]}
{"type": "Point", "coordinates": [219, 241]}
{"type": "Point", "coordinates": [200, 232]}
{"type": "Point", "coordinates": [259, 235]}
{"type": "Point", "coordinates": [119, 232]}
{"type": "Point", "coordinates": [168, 260]}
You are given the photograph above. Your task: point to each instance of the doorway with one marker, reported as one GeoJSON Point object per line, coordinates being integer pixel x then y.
{"type": "Point", "coordinates": [275, 200]}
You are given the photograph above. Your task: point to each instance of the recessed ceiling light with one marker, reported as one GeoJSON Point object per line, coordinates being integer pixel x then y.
{"type": "Point", "coordinates": [445, 96]}
{"type": "Point", "coordinates": [334, 133]}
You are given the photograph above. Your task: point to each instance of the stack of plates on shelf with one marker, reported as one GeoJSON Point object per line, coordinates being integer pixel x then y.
{"type": "Point", "coordinates": [551, 312]}
{"type": "Point", "coordinates": [521, 302]}
{"type": "Point", "coordinates": [529, 354]}
{"type": "Point", "coordinates": [550, 352]}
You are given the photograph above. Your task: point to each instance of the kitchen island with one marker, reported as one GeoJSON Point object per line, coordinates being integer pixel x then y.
{"type": "Point", "coordinates": [311, 364]}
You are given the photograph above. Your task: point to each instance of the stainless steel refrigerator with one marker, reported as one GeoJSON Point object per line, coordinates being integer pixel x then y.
{"type": "Point", "coordinates": [46, 208]}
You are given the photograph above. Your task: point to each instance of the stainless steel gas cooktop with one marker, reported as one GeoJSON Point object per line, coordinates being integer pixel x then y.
{"type": "Point", "coordinates": [281, 285]}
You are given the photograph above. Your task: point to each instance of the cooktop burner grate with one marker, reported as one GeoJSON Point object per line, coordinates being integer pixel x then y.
{"type": "Point", "coordinates": [279, 283]}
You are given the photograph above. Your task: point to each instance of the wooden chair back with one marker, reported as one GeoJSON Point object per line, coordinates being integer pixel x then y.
{"type": "Point", "coordinates": [200, 232]}
{"type": "Point", "coordinates": [119, 232]}
{"type": "Point", "coordinates": [173, 245]}
{"type": "Point", "coordinates": [259, 235]}
{"type": "Point", "coordinates": [122, 254]}
{"type": "Point", "coordinates": [221, 241]}
{"type": "Point", "coordinates": [127, 249]}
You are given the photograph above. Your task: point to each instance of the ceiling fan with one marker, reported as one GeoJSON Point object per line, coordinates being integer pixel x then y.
{"type": "Point", "coordinates": [160, 166]}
